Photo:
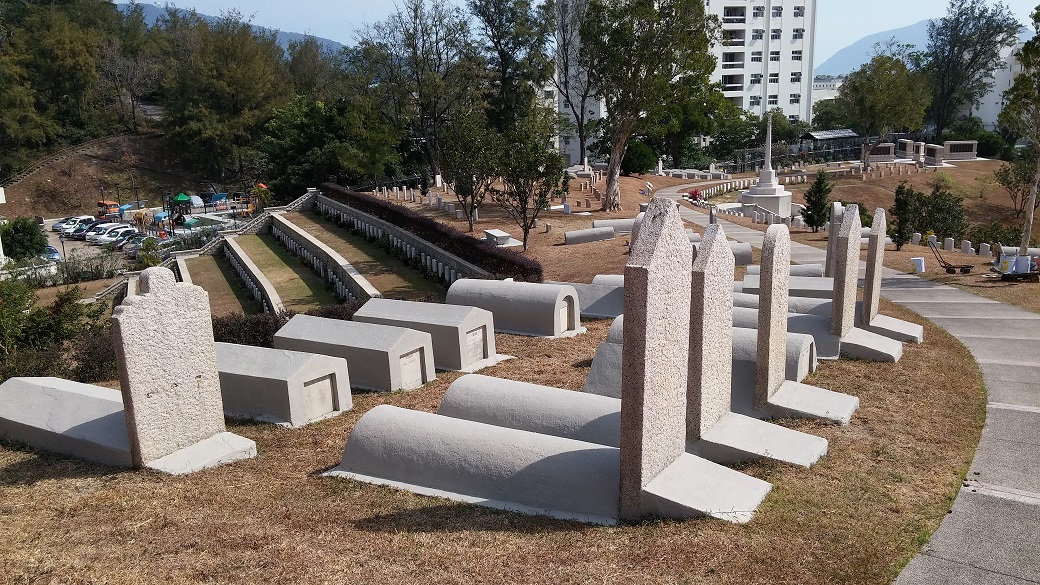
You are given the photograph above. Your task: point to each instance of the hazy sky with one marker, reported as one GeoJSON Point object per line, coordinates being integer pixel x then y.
{"type": "Point", "coordinates": [838, 24]}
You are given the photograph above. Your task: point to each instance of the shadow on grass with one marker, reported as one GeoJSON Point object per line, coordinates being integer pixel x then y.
{"type": "Point", "coordinates": [46, 466]}
{"type": "Point", "coordinates": [465, 518]}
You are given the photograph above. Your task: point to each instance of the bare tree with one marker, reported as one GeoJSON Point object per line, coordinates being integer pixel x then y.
{"type": "Point", "coordinates": [572, 79]}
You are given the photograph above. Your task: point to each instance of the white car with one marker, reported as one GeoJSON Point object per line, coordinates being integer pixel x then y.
{"type": "Point", "coordinates": [114, 234]}
{"type": "Point", "coordinates": [74, 222]}
{"type": "Point", "coordinates": [100, 230]}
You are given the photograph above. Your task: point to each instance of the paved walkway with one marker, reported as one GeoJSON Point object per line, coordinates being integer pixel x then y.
{"type": "Point", "coordinates": [992, 534]}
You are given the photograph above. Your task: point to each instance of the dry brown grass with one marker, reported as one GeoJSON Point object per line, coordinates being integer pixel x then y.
{"type": "Point", "coordinates": [855, 517]}
{"type": "Point", "coordinates": [46, 296]}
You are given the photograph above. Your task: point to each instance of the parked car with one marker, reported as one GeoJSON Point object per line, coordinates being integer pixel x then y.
{"type": "Point", "coordinates": [102, 229]}
{"type": "Point", "coordinates": [72, 224]}
{"type": "Point", "coordinates": [80, 233]}
{"type": "Point", "coordinates": [51, 253]}
{"type": "Point", "coordinates": [133, 250]}
{"type": "Point", "coordinates": [134, 238]}
{"type": "Point", "coordinates": [56, 226]}
{"type": "Point", "coordinates": [114, 234]}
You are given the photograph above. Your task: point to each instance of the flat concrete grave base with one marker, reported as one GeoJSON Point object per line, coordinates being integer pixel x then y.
{"type": "Point", "coordinates": [896, 329]}
{"type": "Point", "coordinates": [797, 400]}
{"type": "Point", "coordinates": [212, 452]}
{"type": "Point", "coordinates": [800, 286]}
{"type": "Point", "coordinates": [737, 437]}
{"type": "Point", "coordinates": [693, 486]}
{"type": "Point", "coordinates": [79, 420]}
{"type": "Point", "coordinates": [288, 388]}
{"type": "Point", "coordinates": [864, 345]}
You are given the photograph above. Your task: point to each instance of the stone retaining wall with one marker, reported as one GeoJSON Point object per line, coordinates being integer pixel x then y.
{"type": "Point", "coordinates": [329, 264]}
{"type": "Point", "coordinates": [446, 266]}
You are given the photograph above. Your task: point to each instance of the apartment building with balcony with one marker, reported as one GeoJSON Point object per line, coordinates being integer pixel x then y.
{"type": "Point", "coordinates": [765, 60]}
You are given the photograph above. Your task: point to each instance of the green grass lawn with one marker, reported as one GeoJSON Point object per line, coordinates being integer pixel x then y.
{"type": "Point", "coordinates": [226, 293]}
{"type": "Point", "coordinates": [299, 288]}
{"type": "Point", "coordinates": [386, 272]}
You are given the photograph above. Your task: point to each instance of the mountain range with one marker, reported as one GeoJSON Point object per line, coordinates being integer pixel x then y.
{"type": "Point", "coordinates": [153, 12]}
{"type": "Point", "coordinates": [851, 57]}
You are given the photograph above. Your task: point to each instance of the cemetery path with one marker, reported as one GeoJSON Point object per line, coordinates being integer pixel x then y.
{"type": "Point", "coordinates": [299, 288]}
{"type": "Point", "coordinates": [226, 294]}
{"type": "Point", "coordinates": [386, 272]}
{"type": "Point", "coordinates": [992, 532]}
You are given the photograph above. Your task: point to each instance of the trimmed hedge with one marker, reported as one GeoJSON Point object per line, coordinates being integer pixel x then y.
{"type": "Point", "coordinates": [501, 262]}
{"type": "Point", "coordinates": [259, 329]}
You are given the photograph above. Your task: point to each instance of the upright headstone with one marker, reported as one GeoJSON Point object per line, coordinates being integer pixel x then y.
{"type": "Point", "coordinates": [713, 217]}
{"type": "Point", "coordinates": [168, 373]}
{"type": "Point", "coordinates": [653, 382]}
{"type": "Point", "coordinates": [774, 279]}
{"type": "Point", "coordinates": [966, 247]}
{"type": "Point", "coordinates": [915, 238]}
{"type": "Point", "coordinates": [846, 273]}
{"type": "Point", "coordinates": [984, 250]}
{"type": "Point", "coordinates": [711, 334]}
{"type": "Point", "coordinates": [832, 237]}
{"type": "Point", "coordinates": [875, 259]}
{"type": "Point", "coordinates": [948, 244]}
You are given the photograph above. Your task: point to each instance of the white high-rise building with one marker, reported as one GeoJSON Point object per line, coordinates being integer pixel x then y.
{"type": "Point", "coordinates": [765, 60]}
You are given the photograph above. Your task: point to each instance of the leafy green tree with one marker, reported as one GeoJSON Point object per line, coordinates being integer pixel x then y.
{"type": "Point", "coordinates": [424, 52]}
{"type": "Point", "coordinates": [906, 214]}
{"type": "Point", "coordinates": [301, 147]}
{"type": "Point", "coordinates": [829, 115]}
{"type": "Point", "coordinates": [22, 238]}
{"type": "Point", "coordinates": [818, 202]}
{"type": "Point", "coordinates": [469, 157]}
{"type": "Point", "coordinates": [649, 54]}
{"type": "Point", "coordinates": [737, 130]}
{"type": "Point", "coordinates": [515, 35]}
{"type": "Point", "coordinates": [128, 65]}
{"type": "Point", "coordinates": [1022, 115]}
{"type": "Point", "coordinates": [963, 51]}
{"type": "Point", "coordinates": [221, 84]}
{"type": "Point", "coordinates": [943, 213]}
{"type": "Point", "coordinates": [530, 171]}
{"type": "Point", "coordinates": [23, 128]}
{"type": "Point", "coordinates": [1017, 178]}
{"type": "Point", "coordinates": [639, 158]}
{"type": "Point", "coordinates": [315, 70]}
{"type": "Point", "coordinates": [884, 95]}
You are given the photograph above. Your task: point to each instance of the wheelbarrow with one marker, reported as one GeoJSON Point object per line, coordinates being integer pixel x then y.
{"type": "Point", "coordinates": [950, 268]}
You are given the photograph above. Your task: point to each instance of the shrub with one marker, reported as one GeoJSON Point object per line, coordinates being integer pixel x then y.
{"type": "Point", "coordinates": [257, 330]}
{"type": "Point", "coordinates": [639, 158]}
{"type": "Point", "coordinates": [23, 238]}
{"type": "Point", "coordinates": [818, 202]}
{"type": "Point", "coordinates": [994, 232]}
{"type": "Point", "coordinates": [93, 356]}
{"type": "Point", "coordinates": [501, 262]}
{"type": "Point", "coordinates": [343, 311]}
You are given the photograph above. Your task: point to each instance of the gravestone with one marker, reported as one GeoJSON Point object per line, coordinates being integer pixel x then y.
{"type": "Point", "coordinates": [168, 373]}
{"type": "Point", "coordinates": [837, 210]}
{"type": "Point", "coordinates": [875, 258]}
{"type": "Point", "coordinates": [711, 334]}
{"type": "Point", "coordinates": [948, 244]}
{"type": "Point", "coordinates": [772, 313]}
{"type": "Point", "coordinates": [915, 239]}
{"type": "Point", "coordinates": [653, 386]}
{"type": "Point", "coordinates": [846, 273]}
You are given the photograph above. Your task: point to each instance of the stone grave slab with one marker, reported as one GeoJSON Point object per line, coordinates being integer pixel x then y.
{"type": "Point", "coordinates": [523, 308]}
{"type": "Point", "coordinates": [379, 357]}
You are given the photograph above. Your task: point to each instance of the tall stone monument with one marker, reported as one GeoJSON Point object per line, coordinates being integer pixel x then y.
{"type": "Point", "coordinates": [656, 346]}
{"type": "Point", "coordinates": [769, 194]}
{"type": "Point", "coordinates": [711, 334]}
{"type": "Point", "coordinates": [168, 374]}
{"type": "Point", "coordinates": [772, 313]}
{"type": "Point", "coordinates": [846, 273]}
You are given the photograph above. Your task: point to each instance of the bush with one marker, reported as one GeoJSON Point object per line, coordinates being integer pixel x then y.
{"type": "Point", "coordinates": [93, 356]}
{"type": "Point", "coordinates": [992, 233]}
{"type": "Point", "coordinates": [257, 330]}
{"type": "Point", "coordinates": [639, 158]}
{"type": "Point", "coordinates": [818, 202]}
{"type": "Point", "coordinates": [343, 311]}
{"type": "Point", "coordinates": [23, 238]}
{"type": "Point", "coordinates": [500, 262]}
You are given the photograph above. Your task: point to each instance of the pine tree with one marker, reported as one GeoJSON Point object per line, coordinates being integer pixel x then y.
{"type": "Point", "coordinates": [906, 214]}
{"type": "Point", "coordinates": [817, 202]}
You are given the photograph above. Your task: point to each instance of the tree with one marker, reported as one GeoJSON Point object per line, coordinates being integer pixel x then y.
{"type": "Point", "coordinates": [905, 214]}
{"type": "Point", "coordinates": [468, 157]}
{"type": "Point", "coordinates": [425, 54]}
{"type": "Point", "coordinates": [315, 70]}
{"type": "Point", "coordinates": [1022, 115]}
{"type": "Point", "coordinates": [530, 170]}
{"type": "Point", "coordinates": [22, 238]}
{"type": "Point", "coordinates": [942, 212]}
{"type": "Point", "coordinates": [515, 36]}
{"type": "Point", "coordinates": [573, 62]}
{"type": "Point", "coordinates": [128, 65]}
{"type": "Point", "coordinates": [737, 130]}
{"type": "Point", "coordinates": [648, 55]}
{"type": "Point", "coordinates": [829, 115]}
{"type": "Point", "coordinates": [818, 202]}
{"type": "Point", "coordinates": [884, 95]}
{"type": "Point", "coordinates": [699, 113]}
{"type": "Point", "coordinates": [963, 51]}
{"type": "Point", "coordinates": [1017, 177]}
